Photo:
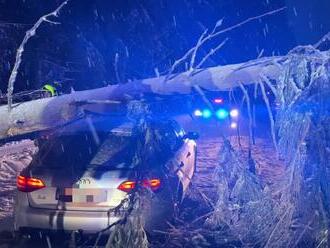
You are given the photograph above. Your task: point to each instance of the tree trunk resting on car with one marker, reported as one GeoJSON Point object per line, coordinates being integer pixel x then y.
{"type": "Point", "coordinates": [43, 114]}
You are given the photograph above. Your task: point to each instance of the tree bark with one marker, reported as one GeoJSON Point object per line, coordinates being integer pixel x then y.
{"type": "Point", "coordinates": [47, 113]}
{"type": "Point", "coordinates": [43, 114]}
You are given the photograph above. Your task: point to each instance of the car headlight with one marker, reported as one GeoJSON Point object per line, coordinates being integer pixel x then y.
{"type": "Point", "coordinates": [233, 125]}
{"type": "Point", "coordinates": [234, 113]}
{"type": "Point", "coordinates": [198, 113]}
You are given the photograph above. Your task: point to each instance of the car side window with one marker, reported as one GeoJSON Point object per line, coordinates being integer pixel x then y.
{"type": "Point", "coordinates": [178, 129]}
{"type": "Point", "coordinates": [175, 135]}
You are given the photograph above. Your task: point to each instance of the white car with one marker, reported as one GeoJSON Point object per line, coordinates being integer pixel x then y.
{"type": "Point", "coordinates": [60, 191]}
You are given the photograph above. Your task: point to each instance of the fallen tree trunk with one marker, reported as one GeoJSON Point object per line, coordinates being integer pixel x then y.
{"type": "Point", "coordinates": [42, 114]}
{"type": "Point", "coordinates": [51, 112]}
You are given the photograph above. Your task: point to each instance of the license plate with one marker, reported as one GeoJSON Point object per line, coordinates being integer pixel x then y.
{"type": "Point", "coordinates": [86, 195]}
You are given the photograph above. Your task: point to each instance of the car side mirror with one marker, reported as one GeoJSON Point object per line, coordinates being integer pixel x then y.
{"type": "Point", "coordinates": [191, 135]}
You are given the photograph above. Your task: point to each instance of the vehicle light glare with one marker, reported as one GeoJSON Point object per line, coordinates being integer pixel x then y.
{"type": "Point", "coordinates": [234, 113]}
{"type": "Point", "coordinates": [198, 113]}
{"type": "Point", "coordinates": [153, 184]}
{"type": "Point", "coordinates": [29, 184]}
{"type": "Point", "coordinates": [207, 113]}
{"type": "Point", "coordinates": [233, 125]}
{"type": "Point", "coordinates": [222, 114]}
{"type": "Point", "coordinates": [127, 186]}
{"type": "Point", "coordinates": [218, 100]}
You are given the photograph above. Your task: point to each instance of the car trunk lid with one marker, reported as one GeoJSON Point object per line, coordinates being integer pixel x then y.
{"type": "Point", "coordinates": [74, 184]}
{"type": "Point", "coordinates": [88, 192]}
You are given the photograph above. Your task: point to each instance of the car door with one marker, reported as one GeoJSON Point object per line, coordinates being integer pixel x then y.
{"type": "Point", "coordinates": [186, 157]}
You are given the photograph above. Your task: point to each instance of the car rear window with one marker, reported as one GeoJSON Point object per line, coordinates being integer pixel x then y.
{"type": "Point", "coordinates": [76, 148]}
{"type": "Point", "coordinates": [65, 151]}
{"type": "Point", "coordinates": [81, 151]}
{"type": "Point", "coordinates": [116, 152]}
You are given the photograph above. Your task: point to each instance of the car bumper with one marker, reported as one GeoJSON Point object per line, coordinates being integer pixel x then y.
{"type": "Point", "coordinates": [27, 218]}
{"type": "Point", "coordinates": [68, 221]}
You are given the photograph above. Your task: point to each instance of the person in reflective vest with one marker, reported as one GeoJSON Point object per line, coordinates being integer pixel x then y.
{"type": "Point", "coordinates": [49, 90]}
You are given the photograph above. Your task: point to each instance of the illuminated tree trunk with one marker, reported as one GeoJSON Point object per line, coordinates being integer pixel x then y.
{"type": "Point", "coordinates": [48, 113]}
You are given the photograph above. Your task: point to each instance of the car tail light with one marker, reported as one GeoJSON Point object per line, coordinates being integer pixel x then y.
{"type": "Point", "coordinates": [127, 186]}
{"type": "Point", "coordinates": [29, 184]}
{"type": "Point", "coordinates": [152, 184]}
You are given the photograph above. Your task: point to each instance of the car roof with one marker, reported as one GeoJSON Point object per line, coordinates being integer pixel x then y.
{"type": "Point", "coordinates": [105, 124]}
{"type": "Point", "coordinates": [99, 124]}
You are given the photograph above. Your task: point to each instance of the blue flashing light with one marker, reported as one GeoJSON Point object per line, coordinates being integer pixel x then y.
{"type": "Point", "coordinates": [222, 114]}
{"type": "Point", "coordinates": [207, 113]}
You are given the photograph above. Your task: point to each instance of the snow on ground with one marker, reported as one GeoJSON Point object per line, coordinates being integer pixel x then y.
{"type": "Point", "coordinates": [13, 158]}
{"type": "Point", "coordinates": [269, 167]}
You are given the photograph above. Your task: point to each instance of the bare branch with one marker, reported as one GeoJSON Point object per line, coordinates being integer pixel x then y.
{"type": "Point", "coordinates": [248, 103]}
{"type": "Point", "coordinates": [270, 114]}
{"type": "Point", "coordinates": [204, 98]}
{"type": "Point", "coordinates": [211, 52]}
{"type": "Point", "coordinates": [269, 84]}
{"type": "Point", "coordinates": [203, 39]}
{"type": "Point", "coordinates": [186, 56]}
{"type": "Point", "coordinates": [195, 49]}
{"type": "Point", "coordinates": [52, 22]}
{"type": "Point", "coordinates": [29, 34]}
{"type": "Point", "coordinates": [246, 21]}
{"type": "Point", "coordinates": [278, 225]}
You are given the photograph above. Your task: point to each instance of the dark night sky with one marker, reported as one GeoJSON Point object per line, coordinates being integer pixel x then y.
{"type": "Point", "coordinates": [147, 34]}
